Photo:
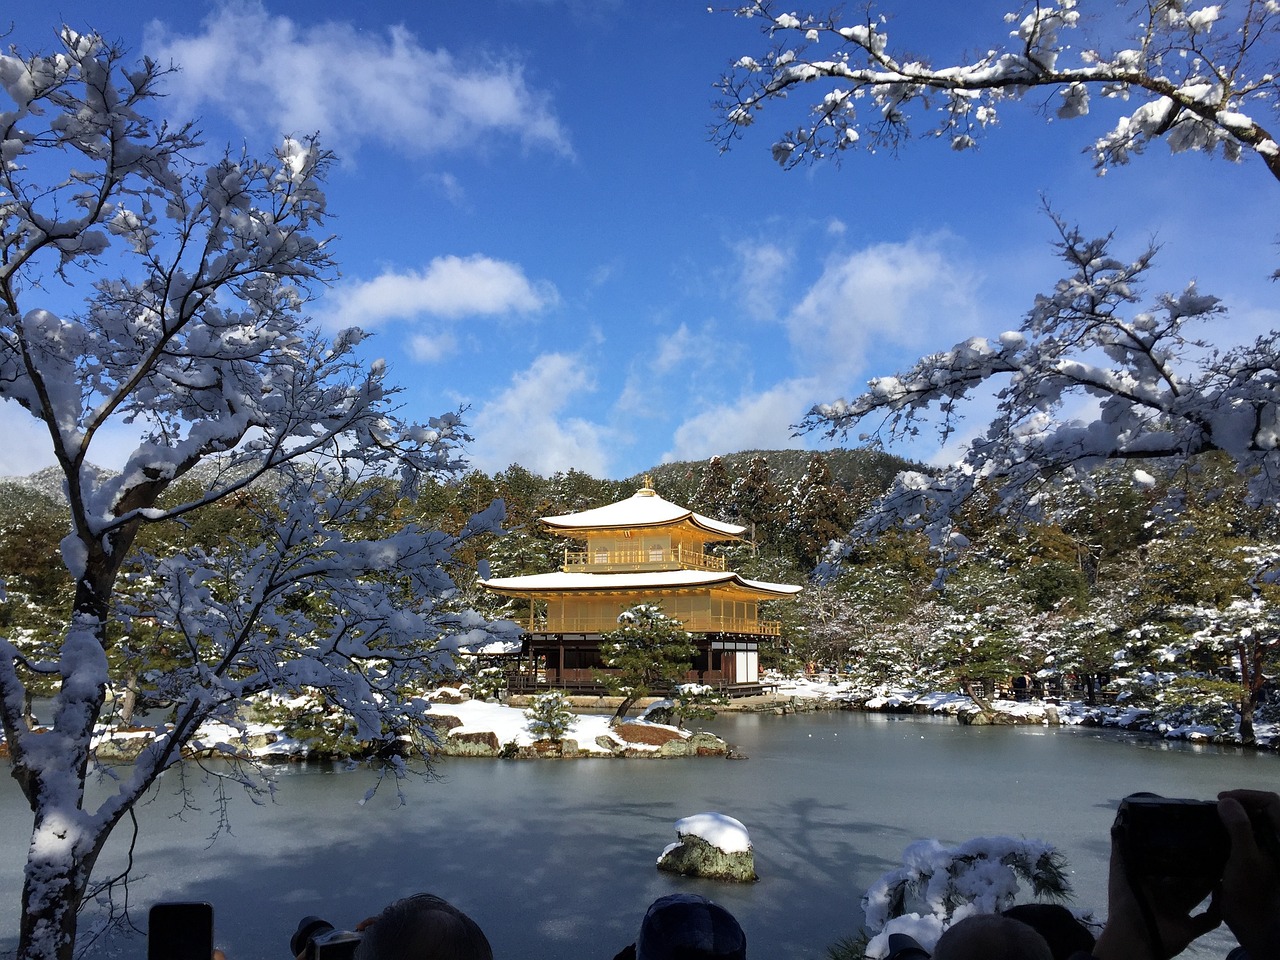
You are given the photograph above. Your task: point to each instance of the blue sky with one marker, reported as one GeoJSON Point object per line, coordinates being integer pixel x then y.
{"type": "Point", "coordinates": [533, 221]}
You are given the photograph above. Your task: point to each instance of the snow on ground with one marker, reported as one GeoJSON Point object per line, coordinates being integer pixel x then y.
{"type": "Point", "coordinates": [721, 831]}
{"type": "Point", "coordinates": [511, 725]}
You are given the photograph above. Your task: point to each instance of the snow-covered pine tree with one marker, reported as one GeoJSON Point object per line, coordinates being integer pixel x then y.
{"type": "Point", "coordinates": [714, 494]}
{"type": "Point", "coordinates": [549, 716]}
{"type": "Point", "coordinates": [757, 501]}
{"type": "Point", "coordinates": [817, 512]}
{"type": "Point", "coordinates": [648, 653]}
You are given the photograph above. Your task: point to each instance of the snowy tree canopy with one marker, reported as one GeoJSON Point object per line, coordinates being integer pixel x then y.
{"type": "Point", "coordinates": [1199, 76]}
{"type": "Point", "coordinates": [1142, 383]}
{"type": "Point", "coordinates": [143, 286]}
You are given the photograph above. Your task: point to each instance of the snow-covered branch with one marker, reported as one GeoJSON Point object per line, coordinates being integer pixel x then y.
{"type": "Point", "coordinates": [1151, 391]}
{"type": "Point", "coordinates": [1204, 76]}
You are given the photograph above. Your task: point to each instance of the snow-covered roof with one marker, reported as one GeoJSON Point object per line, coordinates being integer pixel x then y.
{"type": "Point", "coordinates": [643, 580]}
{"type": "Point", "coordinates": [643, 509]}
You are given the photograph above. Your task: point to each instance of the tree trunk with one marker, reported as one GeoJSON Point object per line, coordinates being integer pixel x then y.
{"type": "Point", "coordinates": [129, 697]}
{"type": "Point", "coordinates": [56, 879]}
{"type": "Point", "coordinates": [626, 704]}
{"type": "Point", "coordinates": [65, 839]}
{"type": "Point", "coordinates": [982, 699]}
{"type": "Point", "coordinates": [1250, 688]}
{"type": "Point", "coordinates": [1246, 720]}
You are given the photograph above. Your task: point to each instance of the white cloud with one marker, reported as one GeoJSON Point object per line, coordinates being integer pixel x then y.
{"type": "Point", "coordinates": [274, 75]}
{"type": "Point", "coordinates": [684, 347]}
{"type": "Point", "coordinates": [527, 424]}
{"type": "Point", "coordinates": [760, 421]}
{"type": "Point", "coordinates": [429, 349]}
{"type": "Point", "coordinates": [762, 266]}
{"type": "Point", "coordinates": [448, 288]}
{"type": "Point", "coordinates": [27, 447]}
{"type": "Point", "coordinates": [876, 302]}
{"type": "Point", "coordinates": [686, 363]}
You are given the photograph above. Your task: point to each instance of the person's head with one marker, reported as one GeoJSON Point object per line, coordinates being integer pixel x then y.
{"type": "Point", "coordinates": [989, 936]}
{"type": "Point", "coordinates": [423, 927]}
{"type": "Point", "coordinates": [685, 926]}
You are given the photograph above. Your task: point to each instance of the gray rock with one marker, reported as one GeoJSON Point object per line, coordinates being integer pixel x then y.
{"type": "Point", "coordinates": [695, 857]}
{"type": "Point", "coordinates": [482, 744]}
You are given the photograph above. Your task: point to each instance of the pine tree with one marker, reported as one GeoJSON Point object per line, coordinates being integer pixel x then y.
{"type": "Point", "coordinates": [550, 717]}
{"type": "Point", "coordinates": [757, 502]}
{"type": "Point", "coordinates": [817, 512]}
{"type": "Point", "coordinates": [649, 652]}
{"type": "Point", "coordinates": [714, 496]}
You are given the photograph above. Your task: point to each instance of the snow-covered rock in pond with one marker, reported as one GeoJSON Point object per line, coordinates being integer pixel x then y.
{"type": "Point", "coordinates": [713, 846]}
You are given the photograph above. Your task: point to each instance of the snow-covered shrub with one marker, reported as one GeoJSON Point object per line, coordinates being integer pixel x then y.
{"type": "Point", "coordinates": [321, 727]}
{"type": "Point", "coordinates": [695, 701]}
{"type": "Point", "coordinates": [550, 717]}
{"type": "Point", "coordinates": [938, 885]}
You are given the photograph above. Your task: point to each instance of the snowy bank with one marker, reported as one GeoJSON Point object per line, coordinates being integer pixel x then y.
{"type": "Point", "coordinates": [821, 692]}
{"type": "Point", "coordinates": [460, 727]}
{"type": "Point", "coordinates": [473, 728]}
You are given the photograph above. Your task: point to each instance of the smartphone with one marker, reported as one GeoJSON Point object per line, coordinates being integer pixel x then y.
{"type": "Point", "coordinates": [180, 931]}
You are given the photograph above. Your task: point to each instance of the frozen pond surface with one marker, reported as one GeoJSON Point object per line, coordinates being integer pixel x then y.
{"type": "Point", "coordinates": [555, 860]}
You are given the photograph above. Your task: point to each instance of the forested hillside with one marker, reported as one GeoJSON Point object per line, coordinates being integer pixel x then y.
{"type": "Point", "coordinates": [1154, 592]}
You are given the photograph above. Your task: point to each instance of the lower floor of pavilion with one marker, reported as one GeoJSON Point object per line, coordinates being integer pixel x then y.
{"type": "Point", "coordinates": [572, 662]}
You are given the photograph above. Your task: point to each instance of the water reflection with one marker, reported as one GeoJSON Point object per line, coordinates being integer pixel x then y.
{"type": "Point", "coordinates": [556, 859]}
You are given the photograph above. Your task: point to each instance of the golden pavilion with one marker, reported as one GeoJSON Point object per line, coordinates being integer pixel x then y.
{"type": "Point", "coordinates": [641, 550]}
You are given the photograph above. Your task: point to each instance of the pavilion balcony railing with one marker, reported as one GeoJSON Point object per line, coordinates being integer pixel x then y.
{"type": "Point", "coordinates": [698, 624]}
{"type": "Point", "coordinates": [654, 558]}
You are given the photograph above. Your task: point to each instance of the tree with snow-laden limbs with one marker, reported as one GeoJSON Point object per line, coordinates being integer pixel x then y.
{"type": "Point", "coordinates": [140, 286]}
{"type": "Point", "coordinates": [649, 652]}
{"type": "Point", "coordinates": [1198, 76]}
{"type": "Point", "coordinates": [1160, 394]}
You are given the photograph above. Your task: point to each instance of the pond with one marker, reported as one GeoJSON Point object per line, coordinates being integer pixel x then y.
{"type": "Point", "coordinates": [556, 859]}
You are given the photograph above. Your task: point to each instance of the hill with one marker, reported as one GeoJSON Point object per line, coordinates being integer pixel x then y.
{"type": "Point", "coordinates": [862, 466]}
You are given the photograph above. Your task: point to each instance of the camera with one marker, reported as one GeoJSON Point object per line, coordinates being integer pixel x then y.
{"type": "Point", "coordinates": [317, 939]}
{"type": "Point", "coordinates": [1162, 837]}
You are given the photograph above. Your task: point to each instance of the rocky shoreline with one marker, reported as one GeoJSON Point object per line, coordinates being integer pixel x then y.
{"type": "Point", "coordinates": [643, 740]}
{"type": "Point", "coordinates": [1134, 722]}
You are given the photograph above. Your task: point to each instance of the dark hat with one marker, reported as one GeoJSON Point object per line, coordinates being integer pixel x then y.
{"type": "Point", "coordinates": [1059, 927]}
{"type": "Point", "coordinates": [685, 926]}
{"type": "Point", "coordinates": [902, 947]}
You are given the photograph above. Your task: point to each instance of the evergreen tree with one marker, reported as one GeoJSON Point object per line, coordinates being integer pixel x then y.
{"type": "Point", "coordinates": [714, 496]}
{"type": "Point", "coordinates": [756, 501]}
{"type": "Point", "coordinates": [550, 717]}
{"type": "Point", "coordinates": [525, 494]}
{"type": "Point", "coordinates": [817, 512]}
{"type": "Point", "coordinates": [649, 652]}
{"type": "Point", "coordinates": [572, 491]}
